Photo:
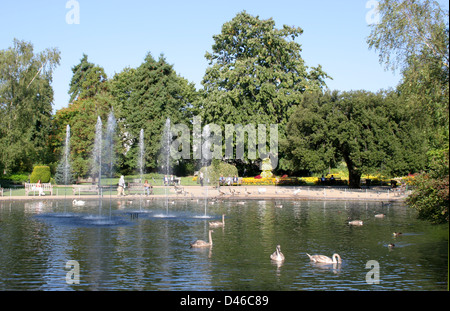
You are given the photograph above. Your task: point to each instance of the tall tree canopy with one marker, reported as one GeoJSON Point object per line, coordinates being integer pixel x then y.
{"type": "Point", "coordinates": [256, 74]}
{"type": "Point", "coordinates": [144, 98]}
{"type": "Point", "coordinates": [370, 132]}
{"type": "Point", "coordinates": [413, 36]}
{"type": "Point", "coordinates": [26, 99]}
{"type": "Point", "coordinates": [89, 87]}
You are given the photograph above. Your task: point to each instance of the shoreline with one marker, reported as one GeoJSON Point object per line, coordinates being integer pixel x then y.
{"type": "Point", "coordinates": [300, 193]}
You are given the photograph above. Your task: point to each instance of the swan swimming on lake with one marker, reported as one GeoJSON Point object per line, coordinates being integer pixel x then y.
{"type": "Point", "coordinates": [78, 202]}
{"type": "Point", "coordinates": [201, 243]}
{"type": "Point", "coordinates": [325, 259]}
{"type": "Point", "coordinates": [356, 222]}
{"type": "Point", "coordinates": [277, 255]}
{"type": "Point", "coordinates": [215, 224]}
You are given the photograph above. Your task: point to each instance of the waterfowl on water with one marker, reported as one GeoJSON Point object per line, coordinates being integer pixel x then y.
{"type": "Point", "coordinates": [215, 224]}
{"type": "Point", "coordinates": [397, 233]}
{"type": "Point", "coordinates": [356, 222]}
{"type": "Point", "coordinates": [78, 202]}
{"type": "Point", "coordinates": [201, 243]}
{"type": "Point", "coordinates": [391, 245]}
{"type": "Point", "coordinates": [277, 255]}
{"type": "Point", "coordinates": [380, 215]}
{"type": "Point", "coordinates": [325, 259]}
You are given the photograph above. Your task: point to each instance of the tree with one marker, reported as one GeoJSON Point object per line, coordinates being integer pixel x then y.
{"type": "Point", "coordinates": [413, 36]}
{"type": "Point", "coordinates": [144, 98]}
{"type": "Point", "coordinates": [87, 80]}
{"type": "Point", "coordinates": [370, 132]}
{"type": "Point", "coordinates": [430, 196]}
{"type": "Point", "coordinates": [256, 74]}
{"type": "Point", "coordinates": [26, 98]}
{"type": "Point", "coordinates": [89, 87]}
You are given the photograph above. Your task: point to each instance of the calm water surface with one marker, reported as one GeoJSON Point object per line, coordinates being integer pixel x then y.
{"type": "Point", "coordinates": [118, 251]}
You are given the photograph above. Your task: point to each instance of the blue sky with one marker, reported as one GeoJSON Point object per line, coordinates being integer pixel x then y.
{"type": "Point", "coordinates": [116, 34]}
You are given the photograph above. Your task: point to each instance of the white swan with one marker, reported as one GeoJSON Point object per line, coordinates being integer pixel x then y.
{"type": "Point", "coordinates": [215, 224]}
{"type": "Point", "coordinates": [356, 222]}
{"type": "Point", "coordinates": [201, 243]}
{"type": "Point", "coordinates": [277, 255]}
{"type": "Point", "coordinates": [78, 202]}
{"type": "Point", "coordinates": [325, 259]}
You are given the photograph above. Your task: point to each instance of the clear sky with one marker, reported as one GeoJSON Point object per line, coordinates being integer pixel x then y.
{"type": "Point", "coordinates": [116, 34]}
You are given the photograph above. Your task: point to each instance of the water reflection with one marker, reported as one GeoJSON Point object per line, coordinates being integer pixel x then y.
{"type": "Point", "coordinates": [151, 251]}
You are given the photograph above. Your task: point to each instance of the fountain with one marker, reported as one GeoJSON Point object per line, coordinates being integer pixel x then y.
{"type": "Point", "coordinates": [67, 170]}
{"type": "Point", "coordinates": [97, 152]}
{"type": "Point", "coordinates": [109, 152]}
{"type": "Point", "coordinates": [166, 140]}
{"type": "Point", "coordinates": [141, 163]}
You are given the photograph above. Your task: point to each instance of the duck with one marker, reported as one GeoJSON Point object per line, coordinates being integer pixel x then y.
{"type": "Point", "coordinates": [325, 259]}
{"type": "Point", "coordinates": [277, 255]}
{"type": "Point", "coordinates": [201, 243]}
{"type": "Point", "coordinates": [78, 202]}
{"type": "Point", "coordinates": [380, 215]}
{"type": "Point", "coordinates": [397, 234]}
{"type": "Point", "coordinates": [391, 245]}
{"type": "Point", "coordinates": [356, 222]}
{"type": "Point", "coordinates": [215, 224]}
{"type": "Point", "coordinates": [385, 204]}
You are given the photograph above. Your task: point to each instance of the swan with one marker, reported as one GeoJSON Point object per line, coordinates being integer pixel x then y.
{"type": "Point", "coordinates": [201, 243]}
{"type": "Point", "coordinates": [356, 222]}
{"type": "Point", "coordinates": [277, 255]}
{"type": "Point", "coordinates": [325, 259]}
{"type": "Point", "coordinates": [215, 224]}
{"type": "Point", "coordinates": [78, 202]}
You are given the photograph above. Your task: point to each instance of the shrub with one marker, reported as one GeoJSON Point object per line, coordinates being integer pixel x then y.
{"type": "Point", "coordinates": [40, 172]}
{"type": "Point", "coordinates": [218, 168]}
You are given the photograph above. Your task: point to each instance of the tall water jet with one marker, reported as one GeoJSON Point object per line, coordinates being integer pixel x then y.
{"type": "Point", "coordinates": [141, 154]}
{"type": "Point", "coordinates": [67, 174]}
{"type": "Point", "coordinates": [97, 160]}
{"type": "Point", "coordinates": [166, 140]}
{"type": "Point", "coordinates": [109, 145]}
{"type": "Point", "coordinates": [109, 152]}
{"type": "Point", "coordinates": [97, 152]}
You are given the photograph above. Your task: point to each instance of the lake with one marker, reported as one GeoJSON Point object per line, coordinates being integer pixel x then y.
{"type": "Point", "coordinates": [144, 245]}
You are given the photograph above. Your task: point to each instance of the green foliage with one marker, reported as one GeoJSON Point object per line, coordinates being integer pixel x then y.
{"type": "Point", "coordinates": [256, 74]}
{"type": "Point", "coordinates": [218, 168]}
{"type": "Point", "coordinates": [370, 132]}
{"type": "Point", "coordinates": [25, 105]}
{"type": "Point", "coordinates": [144, 98]}
{"type": "Point", "coordinates": [42, 173]}
{"type": "Point", "coordinates": [414, 37]}
{"type": "Point", "coordinates": [430, 196]}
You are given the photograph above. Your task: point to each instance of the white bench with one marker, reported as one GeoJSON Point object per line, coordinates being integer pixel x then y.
{"type": "Point", "coordinates": [85, 188]}
{"type": "Point", "coordinates": [41, 189]}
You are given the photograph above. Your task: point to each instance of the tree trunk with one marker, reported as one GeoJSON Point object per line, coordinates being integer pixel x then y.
{"type": "Point", "coordinates": [354, 175]}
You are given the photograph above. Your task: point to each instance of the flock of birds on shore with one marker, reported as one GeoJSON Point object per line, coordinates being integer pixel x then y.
{"type": "Point", "coordinates": [279, 257]}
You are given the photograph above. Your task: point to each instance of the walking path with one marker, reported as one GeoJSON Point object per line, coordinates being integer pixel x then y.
{"type": "Point", "coordinates": [250, 192]}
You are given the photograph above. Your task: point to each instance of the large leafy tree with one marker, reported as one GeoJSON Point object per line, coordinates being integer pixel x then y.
{"type": "Point", "coordinates": [91, 99]}
{"type": "Point", "coordinates": [144, 98]}
{"type": "Point", "coordinates": [256, 74]}
{"type": "Point", "coordinates": [413, 36]}
{"type": "Point", "coordinates": [370, 132]}
{"type": "Point", "coordinates": [26, 98]}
